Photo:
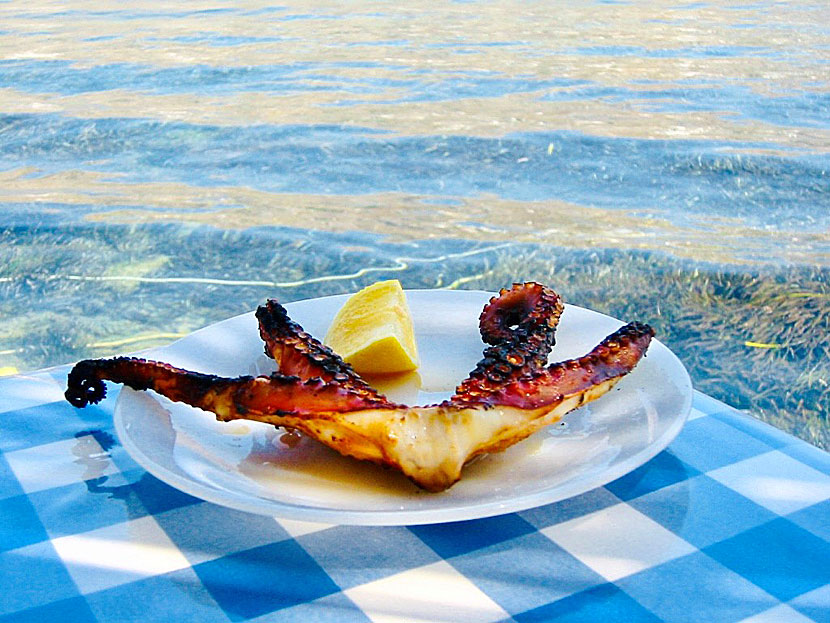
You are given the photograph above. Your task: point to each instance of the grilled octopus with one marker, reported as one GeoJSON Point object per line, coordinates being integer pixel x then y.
{"type": "Point", "coordinates": [511, 393]}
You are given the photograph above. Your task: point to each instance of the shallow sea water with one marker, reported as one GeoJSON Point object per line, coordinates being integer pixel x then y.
{"type": "Point", "coordinates": [163, 167]}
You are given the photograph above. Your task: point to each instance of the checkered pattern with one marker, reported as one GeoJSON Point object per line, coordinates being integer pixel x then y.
{"type": "Point", "coordinates": [730, 523]}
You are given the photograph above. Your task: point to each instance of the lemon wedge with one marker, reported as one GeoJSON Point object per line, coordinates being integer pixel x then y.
{"type": "Point", "coordinates": [373, 330]}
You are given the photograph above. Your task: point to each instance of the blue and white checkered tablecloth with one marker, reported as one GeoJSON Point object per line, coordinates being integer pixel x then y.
{"type": "Point", "coordinates": [730, 523]}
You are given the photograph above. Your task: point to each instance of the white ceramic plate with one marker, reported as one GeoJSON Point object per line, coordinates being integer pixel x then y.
{"type": "Point", "coordinates": [245, 466]}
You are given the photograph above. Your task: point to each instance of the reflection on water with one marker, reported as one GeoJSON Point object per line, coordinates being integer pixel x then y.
{"type": "Point", "coordinates": [164, 167]}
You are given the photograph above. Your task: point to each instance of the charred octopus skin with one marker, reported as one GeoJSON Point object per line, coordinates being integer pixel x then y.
{"type": "Point", "coordinates": [519, 324]}
{"type": "Point", "coordinates": [511, 393]}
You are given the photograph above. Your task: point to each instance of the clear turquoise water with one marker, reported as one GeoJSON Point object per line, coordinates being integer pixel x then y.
{"type": "Point", "coordinates": [163, 168]}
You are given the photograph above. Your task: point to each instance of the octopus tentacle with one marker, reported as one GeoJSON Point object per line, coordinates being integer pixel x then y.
{"type": "Point", "coordinates": [520, 324]}
{"type": "Point", "coordinates": [298, 353]}
{"type": "Point", "coordinates": [228, 398]}
{"type": "Point", "coordinates": [614, 357]}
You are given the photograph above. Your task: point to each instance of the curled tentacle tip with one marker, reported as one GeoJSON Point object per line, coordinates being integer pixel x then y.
{"type": "Point", "coordinates": [82, 387]}
{"type": "Point", "coordinates": [87, 391]}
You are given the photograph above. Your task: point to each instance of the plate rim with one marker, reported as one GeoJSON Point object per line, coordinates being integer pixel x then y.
{"type": "Point", "coordinates": [479, 510]}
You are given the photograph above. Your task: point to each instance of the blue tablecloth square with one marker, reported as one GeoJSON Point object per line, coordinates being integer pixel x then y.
{"type": "Point", "coordinates": [89, 504]}
{"type": "Point", "coordinates": [779, 556]}
{"type": "Point", "coordinates": [454, 539]}
{"type": "Point", "coordinates": [353, 555]}
{"type": "Point", "coordinates": [605, 602]}
{"type": "Point", "coordinates": [36, 426]}
{"type": "Point", "coordinates": [528, 571]}
{"type": "Point", "coordinates": [695, 588]}
{"type": "Point", "coordinates": [815, 518]}
{"type": "Point", "coordinates": [33, 576]}
{"type": "Point", "coordinates": [337, 608]}
{"type": "Point", "coordinates": [254, 582]}
{"type": "Point", "coordinates": [815, 604]}
{"type": "Point", "coordinates": [158, 496]}
{"type": "Point", "coordinates": [72, 610]}
{"type": "Point", "coordinates": [707, 443]}
{"type": "Point", "coordinates": [9, 486]}
{"type": "Point", "coordinates": [753, 427]}
{"type": "Point", "coordinates": [174, 596]}
{"type": "Point", "coordinates": [207, 531]}
{"type": "Point", "coordinates": [19, 523]}
{"type": "Point", "coordinates": [803, 452]}
{"type": "Point", "coordinates": [663, 470]}
{"type": "Point", "coordinates": [686, 508]}
{"type": "Point", "coordinates": [571, 508]}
